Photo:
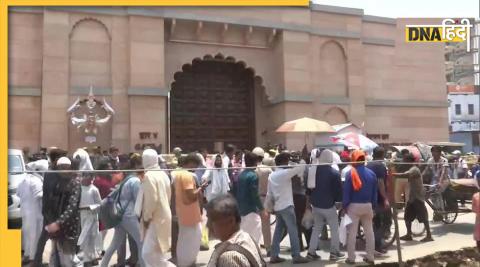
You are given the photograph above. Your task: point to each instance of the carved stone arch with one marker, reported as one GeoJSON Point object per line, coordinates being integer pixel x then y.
{"type": "Point", "coordinates": [334, 42]}
{"type": "Point", "coordinates": [333, 70]}
{"type": "Point", "coordinates": [90, 64]}
{"type": "Point", "coordinates": [78, 22]}
{"type": "Point", "coordinates": [336, 115]}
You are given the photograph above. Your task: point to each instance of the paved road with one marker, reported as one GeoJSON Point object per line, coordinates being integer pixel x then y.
{"type": "Point", "coordinates": [447, 237]}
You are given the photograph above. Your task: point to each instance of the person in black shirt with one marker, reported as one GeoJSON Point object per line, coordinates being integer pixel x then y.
{"type": "Point", "coordinates": [63, 223]}
{"type": "Point", "coordinates": [48, 185]}
{"type": "Point", "coordinates": [382, 218]}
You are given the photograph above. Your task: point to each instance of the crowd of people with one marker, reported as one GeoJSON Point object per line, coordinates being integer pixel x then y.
{"type": "Point", "coordinates": [157, 207]}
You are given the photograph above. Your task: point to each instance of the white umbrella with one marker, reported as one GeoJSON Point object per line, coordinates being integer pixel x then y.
{"type": "Point", "coordinates": [358, 141]}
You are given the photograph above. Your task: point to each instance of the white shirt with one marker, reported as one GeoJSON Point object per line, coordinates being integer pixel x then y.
{"type": "Point", "coordinates": [336, 161]}
{"type": "Point", "coordinates": [90, 196]}
{"type": "Point", "coordinates": [225, 160]}
{"type": "Point", "coordinates": [280, 186]}
{"type": "Point", "coordinates": [344, 172]}
{"type": "Point", "coordinates": [30, 192]}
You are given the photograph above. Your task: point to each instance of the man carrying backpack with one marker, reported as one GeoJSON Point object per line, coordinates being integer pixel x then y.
{"type": "Point", "coordinates": [126, 195]}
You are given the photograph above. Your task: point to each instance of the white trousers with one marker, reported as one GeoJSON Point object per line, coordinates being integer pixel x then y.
{"type": "Point", "coordinates": [252, 224]}
{"type": "Point", "coordinates": [31, 230]}
{"type": "Point", "coordinates": [188, 246]}
{"type": "Point", "coordinates": [67, 257]}
{"type": "Point", "coordinates": [151, 252]}
{"type": "Point", "coordinates": [90, 240]}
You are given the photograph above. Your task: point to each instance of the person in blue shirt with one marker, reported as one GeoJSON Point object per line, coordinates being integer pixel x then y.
{"type": "Point", "coordinates": [383, 215]}
{"type": "Point", "coordinates": [327, 191]}
{"type": "Point", "coordinates": [360, 200]}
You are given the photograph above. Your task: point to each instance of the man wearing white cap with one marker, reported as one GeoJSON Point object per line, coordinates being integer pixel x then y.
{"type": "Point", "coordinates": [64, 228]}
{"type": "Point", "coordinates": [156, 217]}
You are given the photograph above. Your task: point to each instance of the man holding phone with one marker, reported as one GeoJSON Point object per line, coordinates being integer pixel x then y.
{"type": "Point", "coordinates": [187, 196]}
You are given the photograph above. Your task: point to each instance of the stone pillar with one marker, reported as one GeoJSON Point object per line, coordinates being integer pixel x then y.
{"type": "Point", "coordinates": [297, 95]}
{"type": "Point", "coordinates": [54, 119]}
{"type": "Point", "coordinates": [120, 67]}
{"type": "Point", "coordinates": [147, 91]}
{"type": "Point", "coordinates": [356, 87]}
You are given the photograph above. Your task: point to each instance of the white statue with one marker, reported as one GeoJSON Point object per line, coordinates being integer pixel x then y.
{"type": "Point", "coordinates": [89, 120]}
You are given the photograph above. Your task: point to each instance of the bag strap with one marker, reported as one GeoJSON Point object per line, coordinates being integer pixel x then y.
{"type": "Point", "coordinates": [244, 252]}
{"type": "Point", "coordinates": [120, 190]}
{"type": "Point", "coordinates": [248, 254]}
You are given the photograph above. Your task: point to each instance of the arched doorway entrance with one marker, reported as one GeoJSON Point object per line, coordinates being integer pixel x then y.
{"type": "Point", "coordinates": [212, 100]}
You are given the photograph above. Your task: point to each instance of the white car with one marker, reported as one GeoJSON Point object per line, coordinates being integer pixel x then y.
{"type": "Point", "coordinates": [16, 174]}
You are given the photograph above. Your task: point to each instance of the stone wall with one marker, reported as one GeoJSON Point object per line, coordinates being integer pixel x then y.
{"type": "Point", "coordinates": [329, 63]}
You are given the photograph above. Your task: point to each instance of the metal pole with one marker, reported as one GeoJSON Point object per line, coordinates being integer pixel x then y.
{"type": "Point", "coordinates": [395, 221]}
{"type": "Point", "coordinates": [397, 236]}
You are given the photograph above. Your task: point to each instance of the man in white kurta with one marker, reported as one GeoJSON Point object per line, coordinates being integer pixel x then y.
{"type": "Point", "coordinates": [156, 216]}
{"type": "Point", "coordinates": [30, 192]}
{"type": "Point", "coordinates": [90, 240]}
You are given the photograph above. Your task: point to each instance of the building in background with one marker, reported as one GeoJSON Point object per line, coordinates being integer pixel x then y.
{"type": "Point", "coordinates": [463, 85]}
{"type": "Point", "coordinates": [190, 77]}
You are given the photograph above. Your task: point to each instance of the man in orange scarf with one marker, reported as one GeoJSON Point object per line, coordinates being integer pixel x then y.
{"type": "Point", "coordinates": [359, 200]}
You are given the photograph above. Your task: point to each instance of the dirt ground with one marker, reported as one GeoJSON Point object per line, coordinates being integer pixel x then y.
{"type": "Point", "coordinates": [467, 257]}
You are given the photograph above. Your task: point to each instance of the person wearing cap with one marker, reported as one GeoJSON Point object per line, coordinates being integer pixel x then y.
{"type": "Point", "coordinates": [156, 217]}
{"type": "Point", "coordinates": [325, 191]}
{"type": "Point", "coordinates": [63, 227]}
{"type": "Point", "coordinates": [263, 172]}
{"type": "Point", "coordinates": [30, 193]}
{"type": "Point", "coordinates": [360, 200]}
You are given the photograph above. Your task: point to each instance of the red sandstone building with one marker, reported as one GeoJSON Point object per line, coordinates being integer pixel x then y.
{"type": "Point", "coordinates": [190, 77]}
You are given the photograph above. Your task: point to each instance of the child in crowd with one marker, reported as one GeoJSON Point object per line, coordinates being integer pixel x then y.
{"type": "Point", "coordinates": [90, 239]}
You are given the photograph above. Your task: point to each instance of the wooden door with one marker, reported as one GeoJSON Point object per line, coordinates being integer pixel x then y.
{"type": "Point", "coordinates": [212, 100]}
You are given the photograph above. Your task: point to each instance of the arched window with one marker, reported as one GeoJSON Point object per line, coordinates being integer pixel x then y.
{"type": "Point", "coordinates": [90, 54]}
{"type": "Point", "coordinates": [336, 115]}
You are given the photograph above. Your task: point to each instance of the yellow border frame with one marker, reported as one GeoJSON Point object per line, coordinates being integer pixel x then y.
{"type": "Point", "coordinates": [10, 240]}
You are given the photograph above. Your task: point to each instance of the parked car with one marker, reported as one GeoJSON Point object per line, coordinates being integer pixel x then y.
{"type": "Point", "coordinates": [16, 174]}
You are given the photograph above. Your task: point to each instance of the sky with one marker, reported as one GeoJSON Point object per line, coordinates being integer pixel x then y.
{"type": "Point", "coordinates": [411, 8]}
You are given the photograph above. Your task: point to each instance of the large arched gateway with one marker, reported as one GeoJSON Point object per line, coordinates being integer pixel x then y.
{"type": "Point", "coordinates": [212, 100]}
